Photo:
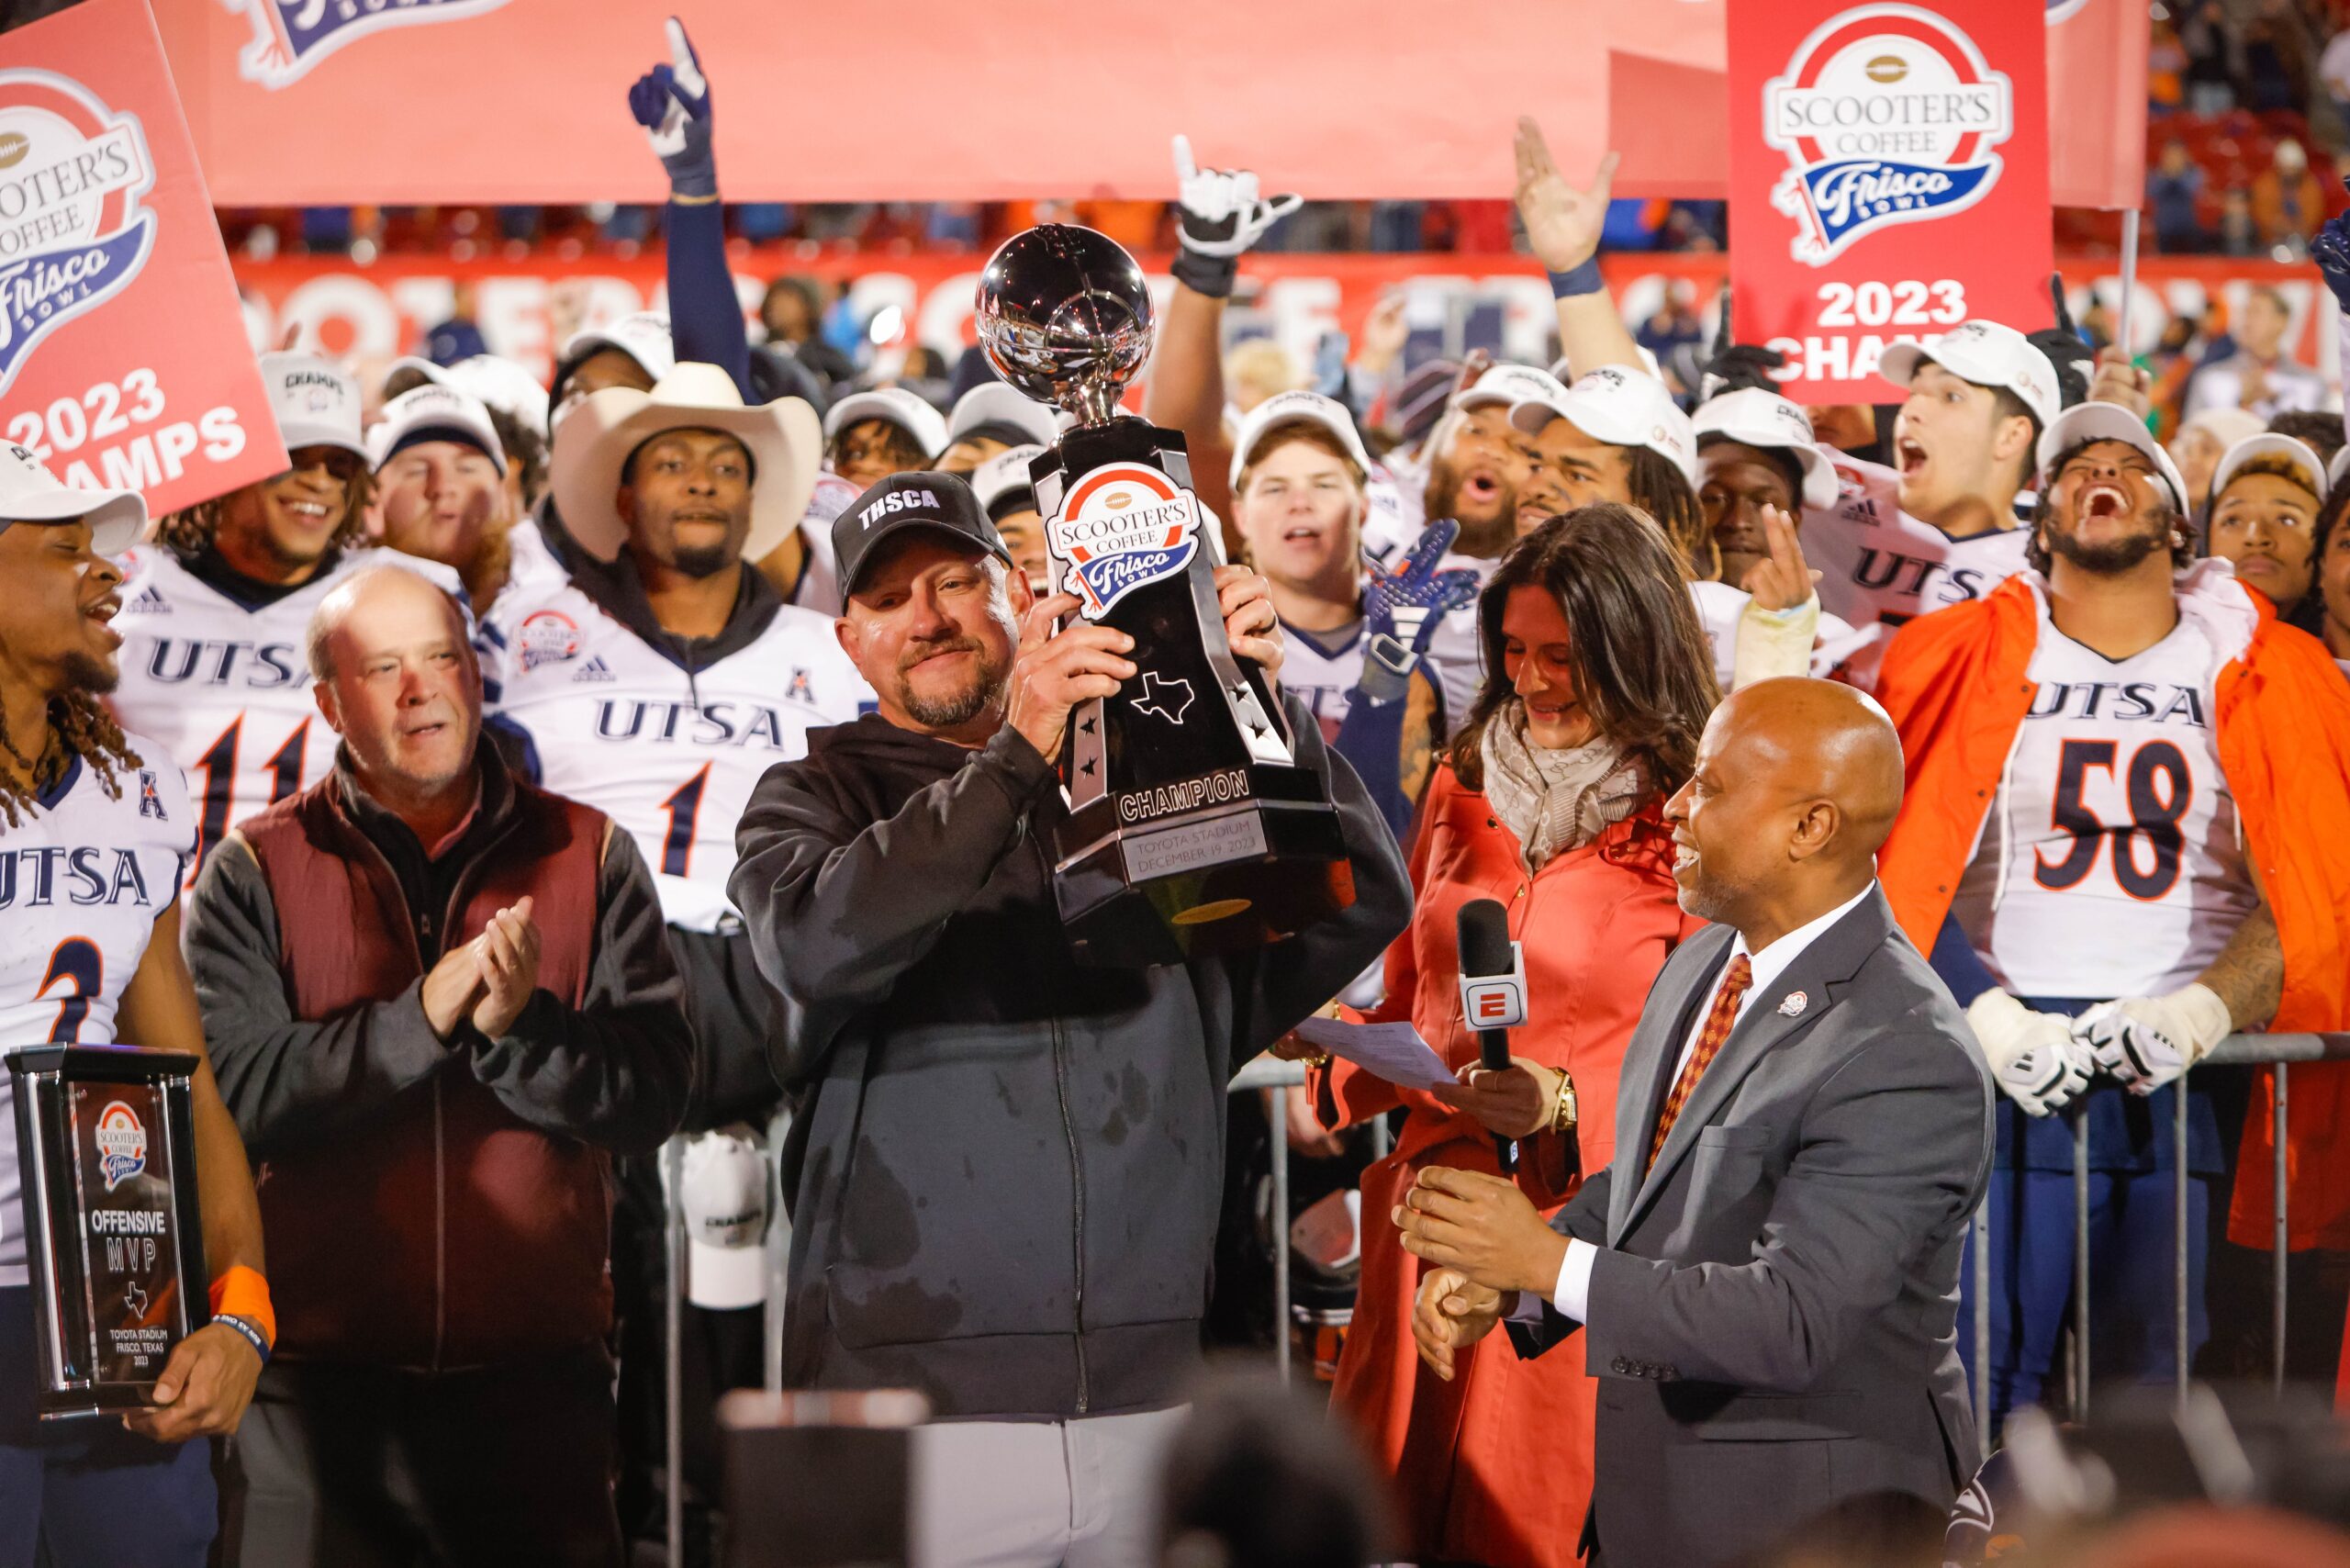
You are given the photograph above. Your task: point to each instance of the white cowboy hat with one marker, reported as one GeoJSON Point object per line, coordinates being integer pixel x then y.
{"type": "Point", "coordinates": [593, 444]}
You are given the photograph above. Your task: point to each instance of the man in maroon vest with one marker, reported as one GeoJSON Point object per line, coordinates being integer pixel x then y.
{"type": "Point", "coordinates": [443, 1001]}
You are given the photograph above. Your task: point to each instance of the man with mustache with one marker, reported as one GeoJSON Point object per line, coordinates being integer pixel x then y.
{"type": "Point", "coordinates": [2128, 785]}
{"type": "Point", "coordinates": [1006, 1164]}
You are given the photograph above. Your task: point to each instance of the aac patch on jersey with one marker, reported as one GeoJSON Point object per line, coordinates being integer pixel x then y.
{"type": "Point", "coordinates": [149, 803]}
{"type": "Point", "coordinates": [547, 637]}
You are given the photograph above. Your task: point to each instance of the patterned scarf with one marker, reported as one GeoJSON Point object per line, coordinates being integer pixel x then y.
{"type": "Point", "coordinates": [1555, 801]}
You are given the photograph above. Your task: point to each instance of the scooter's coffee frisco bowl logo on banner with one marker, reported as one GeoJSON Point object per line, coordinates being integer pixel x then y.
{"type": "Point", "coordinates": [1888, 114]}
{"type": "Point", "coordinates": [1121, 527]}
{"type": "Point", "coordinates": [72, 233]}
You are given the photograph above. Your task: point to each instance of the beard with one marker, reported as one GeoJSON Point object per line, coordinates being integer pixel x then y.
{"type": "Point", "coordinates": [699, 561]}
{"type": "Point", "coordinates": [1478, 538]}
{"type": "Point", "coordinates": [86, 671]}
{"type": "Point", "coordinates": [2114, 557]}
{"type": "Point", "coordinates": [957, 708]}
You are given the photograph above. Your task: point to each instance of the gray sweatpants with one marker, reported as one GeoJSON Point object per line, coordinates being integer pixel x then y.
{"type": "Point", "coordinates": [1040, 1494]}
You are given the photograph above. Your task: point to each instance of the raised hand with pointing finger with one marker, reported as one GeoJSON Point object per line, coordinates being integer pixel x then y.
{"type": "Point", "coordinates": [672, 102]}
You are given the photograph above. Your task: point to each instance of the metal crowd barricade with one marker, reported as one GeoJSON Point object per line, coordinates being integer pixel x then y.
{"type": "Point", "coordinates": [2236, 1050]}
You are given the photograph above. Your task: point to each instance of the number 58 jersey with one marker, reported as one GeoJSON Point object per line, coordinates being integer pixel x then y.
{"type": "Point", "coordinates": [617, 722]}
{"type": "Point", "coordinates": [83, 877]}
{"type": "Point", "coordinates": [2112, 864]}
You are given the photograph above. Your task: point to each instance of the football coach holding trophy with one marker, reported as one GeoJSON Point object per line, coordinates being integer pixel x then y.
{"type": "Point", "coordinates": [1767, 1275]}
{"type": "Point", "coordinates": [1003, 1174]}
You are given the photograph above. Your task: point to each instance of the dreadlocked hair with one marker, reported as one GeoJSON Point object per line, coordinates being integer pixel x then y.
{"type": "Point", "coordinates": [191, 530]}
{"type": "Point", "coordinates": [1655, 484]}
{"type": "Point", "coordinates": [81, 723]}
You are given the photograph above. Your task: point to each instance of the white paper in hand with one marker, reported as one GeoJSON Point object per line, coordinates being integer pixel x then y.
{"type": "Point", "coordinates": [1394, 1051]}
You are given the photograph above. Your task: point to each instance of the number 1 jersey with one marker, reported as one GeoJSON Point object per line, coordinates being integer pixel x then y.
{"type": "Point", "coordinates": [83, 877]}
{"type": "Point", "coordinates": [672, 756]}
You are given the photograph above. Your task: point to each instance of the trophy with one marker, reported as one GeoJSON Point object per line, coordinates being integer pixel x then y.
{"type": "Point", "coordinates": [105, 1145]}
{"type": "Point", "coordinates": [1192, 828]}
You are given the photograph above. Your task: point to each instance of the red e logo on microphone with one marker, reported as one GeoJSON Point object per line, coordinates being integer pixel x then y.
{"type": "Point", "coordinates": [1495, 1002]}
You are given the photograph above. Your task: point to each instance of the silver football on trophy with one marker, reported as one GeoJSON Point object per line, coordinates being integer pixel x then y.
{"type": "Point", "coordinates": [1064, 316]}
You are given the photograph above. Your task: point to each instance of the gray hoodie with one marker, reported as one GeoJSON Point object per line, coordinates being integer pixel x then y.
{"type": "Point", "coordinates": [1006, 1170]}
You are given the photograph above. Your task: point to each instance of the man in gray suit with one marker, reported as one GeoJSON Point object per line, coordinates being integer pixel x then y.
{"type": "Point", "coordinates": [1767, 1275]}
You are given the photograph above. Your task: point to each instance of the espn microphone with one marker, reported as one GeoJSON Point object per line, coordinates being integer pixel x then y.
{"type": "Point", "coordinates": [1492, 993]}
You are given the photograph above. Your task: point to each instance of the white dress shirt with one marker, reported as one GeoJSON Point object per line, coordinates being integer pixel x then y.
{"type": "Point", "coordinates": [1572, 1295]}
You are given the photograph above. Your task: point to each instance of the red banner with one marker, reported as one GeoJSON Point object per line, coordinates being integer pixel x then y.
{"type": "Point", "coordinates": [2097, 102]}
{"type": "Point", "coordinates": [300, 101]}
{"type": "Point", "coordinates": [1889, 180]}
{"type": "Point", "coordinates": [123, 357]}
{"type": "Point", "coordinates": [525, 306]}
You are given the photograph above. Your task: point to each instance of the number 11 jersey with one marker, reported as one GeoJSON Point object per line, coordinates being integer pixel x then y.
{"type": "Point", "coordinates": [224, 686]}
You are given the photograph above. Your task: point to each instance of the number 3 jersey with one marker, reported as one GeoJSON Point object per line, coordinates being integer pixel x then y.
{"type": "Point", "coordinates": [215, 674]}
{"type": "Point", "coordinates": [83, 877]}
{"type": "Point", "coordinates": [2112, 864]}
{"type": "Point", "coordinates": [617, 722]}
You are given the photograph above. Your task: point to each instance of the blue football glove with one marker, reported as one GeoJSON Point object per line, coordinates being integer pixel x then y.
{"type": "Point", "coordinates": [1405, 607]}
{"type": "Point", "coordinates": [2331, 251]}
{"type": "Point", "coordinates": [672, 102]}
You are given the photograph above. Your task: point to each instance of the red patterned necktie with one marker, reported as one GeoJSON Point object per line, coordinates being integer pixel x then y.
{"type": "Point", "coordinates": [1740, 975]}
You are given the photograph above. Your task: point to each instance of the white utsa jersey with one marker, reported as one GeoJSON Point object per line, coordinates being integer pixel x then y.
{"type": "Point", "coordinates": [1322, 669]}
{"type": "Point", "coordinates": [83, 877]}
{"type": "Point", "coordinates": [819, 588]}
{"type": "Point", "coordinates": [1395, 515]}
{"type": "Point", "coordinates": [1455, 659]}
{"type": "Point", "coordinates": [1721, 607]}
{"type": "Point", "coordinates": [617, 724]}
{"type": "Point", "coordinates": [530, 566]}
{"type": "Point", "coordinates": [1880, 567]}
{"type": "Point", "coordinates": [223, 689]}
{"type": "Point", "coordinates": [2111, 863]}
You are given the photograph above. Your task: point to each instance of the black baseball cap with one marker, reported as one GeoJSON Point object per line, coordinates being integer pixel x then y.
{"type": "Point", "coordinates": [944, 503]}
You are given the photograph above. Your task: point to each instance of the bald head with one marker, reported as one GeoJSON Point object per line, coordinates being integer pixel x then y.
{"type": "Point", "coordinates": [398, 681]}
{"type": "Point", "coordinates": [1796, 787]}
{"type": "Point", "coordinates": [372, 594]}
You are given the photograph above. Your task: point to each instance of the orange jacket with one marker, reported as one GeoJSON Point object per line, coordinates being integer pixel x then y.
{"type": "Point", "coordinates": [1957, 685]}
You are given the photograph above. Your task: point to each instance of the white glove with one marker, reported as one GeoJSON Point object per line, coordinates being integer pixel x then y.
{"type": "Point", "coordinates": [2147, 1041]}
{"type": "Point", "coordinates": [2033, 1055]}
{"type": "Point", "coordinates": [1210, 197]}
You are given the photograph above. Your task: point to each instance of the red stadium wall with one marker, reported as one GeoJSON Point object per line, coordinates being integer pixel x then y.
{"type": "Point", "coordinates": [524, 303]}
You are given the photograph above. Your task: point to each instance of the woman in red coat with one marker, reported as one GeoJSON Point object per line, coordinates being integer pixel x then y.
{"type": "Point", "coordinates": [1598, 685]}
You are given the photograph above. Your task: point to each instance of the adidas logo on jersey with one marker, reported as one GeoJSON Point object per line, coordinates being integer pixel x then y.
{"type": "Point", "coordinates": [595, 669]}
{"type": "Point", "coordinates": [148, 601]}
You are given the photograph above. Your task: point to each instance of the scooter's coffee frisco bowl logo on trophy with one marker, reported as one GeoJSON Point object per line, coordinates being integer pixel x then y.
{"type": "Point", "coordinates": [1120, 528]}
{"type": "Point", "coordinates": [1191, 826]}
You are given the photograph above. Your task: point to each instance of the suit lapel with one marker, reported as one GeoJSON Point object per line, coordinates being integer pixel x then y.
{"type": "Point", "coordinates": [1819, 972]}
{"type": "Point", "coordinates": [1655, 1051]}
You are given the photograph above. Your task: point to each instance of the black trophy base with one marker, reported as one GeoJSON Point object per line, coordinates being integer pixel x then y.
{"type": "Point", "coordinates": [1191, 882]}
